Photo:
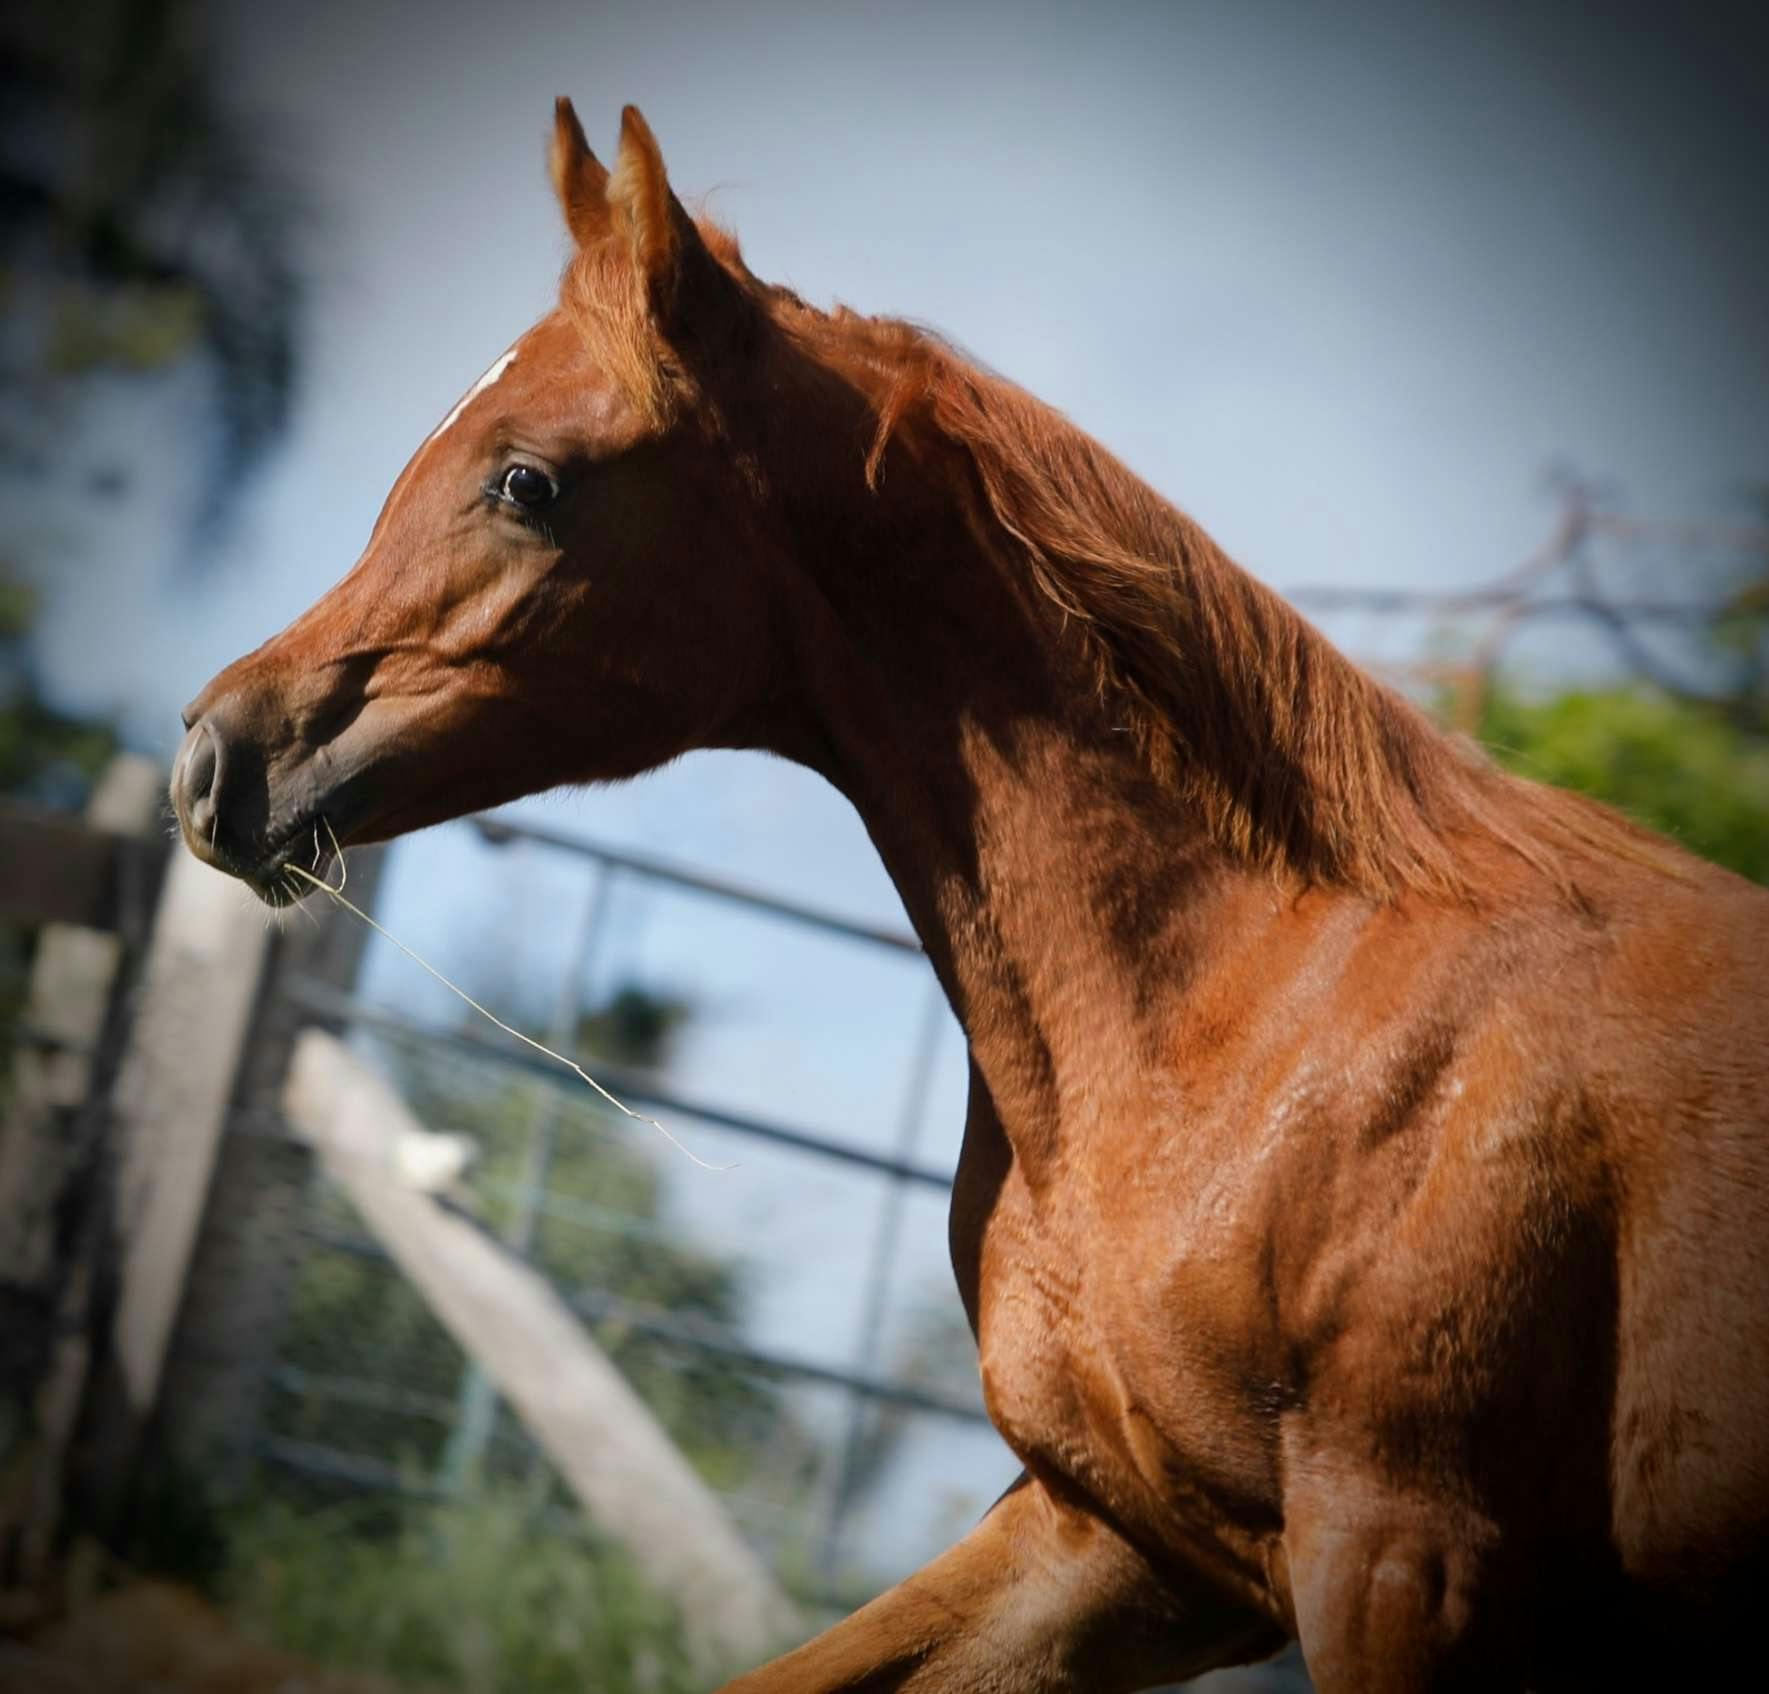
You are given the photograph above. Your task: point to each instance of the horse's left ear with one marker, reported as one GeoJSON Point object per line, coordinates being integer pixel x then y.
{"type": "Point", "coordinates": [578, 177]}
{"type": "Point", "coordinates": [683, 281]}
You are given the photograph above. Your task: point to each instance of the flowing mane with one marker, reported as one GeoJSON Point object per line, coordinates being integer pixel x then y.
{"type": "Point", "coordinates": [1298, 761]}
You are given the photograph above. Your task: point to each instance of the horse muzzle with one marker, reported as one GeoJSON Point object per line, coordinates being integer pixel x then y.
{"type": "Point", "coordinates": [219, 796]}
{"type": "Point", "coordinates": [232, 814]}
{"type": "Point", "coordinates": [197, 775]}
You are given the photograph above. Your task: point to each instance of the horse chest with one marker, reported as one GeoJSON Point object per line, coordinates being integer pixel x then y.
{"type": "Point", "coordinates": [1122, 1364]}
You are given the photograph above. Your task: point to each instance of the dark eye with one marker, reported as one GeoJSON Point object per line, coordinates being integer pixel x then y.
{"type": "Point", "coordinates": [524, 486]}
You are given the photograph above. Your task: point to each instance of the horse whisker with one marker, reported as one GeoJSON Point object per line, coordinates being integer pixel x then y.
{"type": "Point", "coordinates": [337, 853]}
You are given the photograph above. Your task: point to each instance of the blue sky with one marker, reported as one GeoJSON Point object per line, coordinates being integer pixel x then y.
{"type": "Point", "coordinates": [1342, 281]}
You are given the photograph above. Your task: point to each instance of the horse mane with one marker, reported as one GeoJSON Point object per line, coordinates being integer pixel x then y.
{"type": "Point", "coordinates": [1296, 760]}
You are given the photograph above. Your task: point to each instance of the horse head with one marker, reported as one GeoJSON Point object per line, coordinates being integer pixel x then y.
{"type": "Point", "coordinates": [565, 583]}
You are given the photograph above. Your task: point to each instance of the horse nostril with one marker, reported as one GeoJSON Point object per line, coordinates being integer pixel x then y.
{"type": "Point", "coordinates": [196, 781]}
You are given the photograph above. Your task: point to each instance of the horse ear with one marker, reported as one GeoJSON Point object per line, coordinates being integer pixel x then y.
{"type": "Point", "coordinates": [693, 298]}
{"type": "Point", "coordinates": [666, 247]}
{"type": "Point", "coordinates": [653, 214]}
{"type": "Point", "coordinates": [579, 178]}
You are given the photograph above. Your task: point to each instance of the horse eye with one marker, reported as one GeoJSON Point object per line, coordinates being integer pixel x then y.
{"type": "Point", "coordinates": [524, 486]}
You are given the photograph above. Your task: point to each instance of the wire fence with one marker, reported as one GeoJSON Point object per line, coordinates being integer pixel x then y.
{"type": "Point", "coordinates": [368, 1391]}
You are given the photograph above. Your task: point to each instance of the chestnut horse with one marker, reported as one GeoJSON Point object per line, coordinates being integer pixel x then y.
{"type": "Point", "coordinates": [1362, 1211]}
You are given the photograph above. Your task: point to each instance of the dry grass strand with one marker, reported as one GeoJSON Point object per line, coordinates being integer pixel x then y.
{"type": "Point", "coordinates": [337, 896]}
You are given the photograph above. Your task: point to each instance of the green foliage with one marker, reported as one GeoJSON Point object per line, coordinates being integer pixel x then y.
{"type": "Point", "coordinates": [479, 1597]}
{"type": "Point", "coordinates": [130, 328]}
{"type": "Point", "coordinates": [633, 1027]}
{"type": "Point", "coordinates": [48, 755]}
{"type": "Point", "coordinates": [45, 755]}
{"type": "Point", "coordinates": [147, 222]}
{"type": "Point", "coordinates": [1679, 766]}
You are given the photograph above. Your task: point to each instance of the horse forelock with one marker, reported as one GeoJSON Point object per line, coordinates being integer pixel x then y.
{"type": "Point", "coordinates": [605, 302]}
{"type": "Point", "coordinates": [605, 298]}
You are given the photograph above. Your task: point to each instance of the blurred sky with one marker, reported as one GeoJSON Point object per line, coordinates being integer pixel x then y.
{"type": "Point", "coordinates": [1343, 281]}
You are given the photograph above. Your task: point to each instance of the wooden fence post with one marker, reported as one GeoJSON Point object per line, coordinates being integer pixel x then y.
{"type": "Point", "coordinates": [633, 1482]}
{"type": "Point", "coordinates": [52, 1147]}
{"type": "Point", "coordinates": [73, 971]}
{"type": "Point", "coordinates": [254, 1233]}
{"type": "Point", "coordinates": [170, 1105]}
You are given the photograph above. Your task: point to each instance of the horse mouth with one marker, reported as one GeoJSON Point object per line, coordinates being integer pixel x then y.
{"type": "Point", "coordinates": [281, 863]}
{"type": "Point", "coordinates": [310, 857]}
{"type": "Point", "coordinates": [279, 823]}
{"type": "Point", "coordinates": [306, 855]}
{"type": "Point", "coordinates": [284, 870]}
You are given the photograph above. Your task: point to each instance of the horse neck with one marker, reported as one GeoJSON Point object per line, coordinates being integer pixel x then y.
{"type": "Point", "coordinates": [989, 542]}
{"type": "Point", "coordinates": [1059, 885]}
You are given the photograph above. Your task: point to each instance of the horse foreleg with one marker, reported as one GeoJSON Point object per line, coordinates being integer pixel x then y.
{"type": "Point", "coordinates": [1040, 1597]}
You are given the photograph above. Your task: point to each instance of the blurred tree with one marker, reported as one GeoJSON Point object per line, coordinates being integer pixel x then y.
{"type": "Point", "coordinates": [1694, 766]}
{"type": "Point", "coordinates": [141, 224]}
{"type": "Point", "coordinates": [633, 1026]}
{"type": "Point", "coordinates": [483, 1596]}
{"type": "Point", "coordinates": [1685, 767]}
{"type": "Point", "coordinates": [45, 755]}
{"type": "Point", "coordinates": [1741, 636]}
{"type": "Point", "coordinates": [141, 227]}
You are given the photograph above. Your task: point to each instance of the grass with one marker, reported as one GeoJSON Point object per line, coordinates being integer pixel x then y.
{"type": "Point", "coordinates": [484, 1596]}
